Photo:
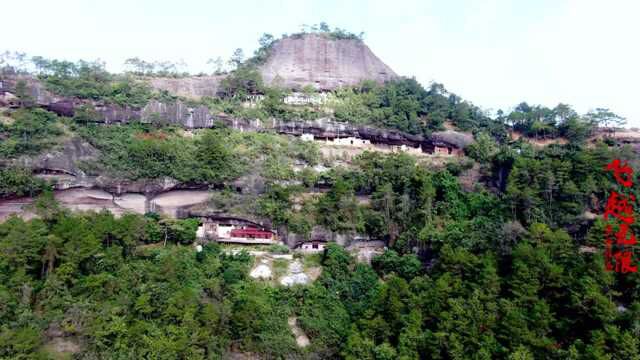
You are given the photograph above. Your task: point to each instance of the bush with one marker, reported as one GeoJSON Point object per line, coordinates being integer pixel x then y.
{"type": "Point", "coordinates": [32, 131]}
{"type": "Point", "coordinates": [90, 80]}
{"type": "Point", "coordinates": [245, 80]}
{"type": "Point", "coordinates": [20, 182]}
{"type": "Point", "coordinates": [278, 249]}
{"type": "Point", "coordinates": [406, 266]}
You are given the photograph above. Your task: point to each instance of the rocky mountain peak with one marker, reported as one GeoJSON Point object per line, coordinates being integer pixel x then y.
{"type": "Point", "coordinates": [322, 62]}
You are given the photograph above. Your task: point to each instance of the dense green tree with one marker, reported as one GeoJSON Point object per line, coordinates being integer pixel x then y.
{"type": "Point", "coordinates": [32, 131]}
{"type": "Point", "coordinates": [243, 81]}
{"type": "Point", "coordinates": [20, 182]}
{"type": "Point", "coordinates": [216, 159]}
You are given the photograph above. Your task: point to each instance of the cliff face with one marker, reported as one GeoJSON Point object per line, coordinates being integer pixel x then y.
{"type": "Point", "coordinates": [195, 117]}
{"type": "Point", "coordinates": [294, 62]}
{"type": "Point", "coordinates": [323, 63]}
{"type": "Point", "coordinates": [322, 128]}
{"type": "Point", "coordinates": [325, 128]}
{"type": "Point", "coordinates": [176, 112]}
{"type": "Point", "coordinates": [189, 87]}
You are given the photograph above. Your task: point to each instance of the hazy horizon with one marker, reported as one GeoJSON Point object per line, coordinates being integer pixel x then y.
{"type": "Point", "coordinates": [495, 54]}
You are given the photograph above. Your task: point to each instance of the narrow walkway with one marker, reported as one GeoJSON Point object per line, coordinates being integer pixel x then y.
{"type": "Point", "coordinates": [301, 338]}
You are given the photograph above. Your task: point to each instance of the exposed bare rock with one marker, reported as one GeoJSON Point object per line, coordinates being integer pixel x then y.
{"type": "Point", "coordinates": [365, 251]}
{"type": "Point", "coordinates": [136, 203]}
{"type": "Point", "coordinates": [154, 112]}
{"type": "Point", "coordinates": [588, 215]}
{"type": "Point", "coordinates": [470, 178]}
{"type": "Point", "coordinates": [252, 183]}
{"type": "Point", "coordinates": [173, 203]}
{"type": "Point", "coordinates": [177, 113]}
{"type": "Point", "coordinates": [112, 114]}
{"type": "Point", "coordinates": [180, 113]}
{"type": "Point", "coordinates": [451, 137]}
{"type": "Point", "coordinates": [262, 271]}
{"type": "Point", "coordinates": [322, 234]}
{"type": "Point", "coordinates": [325, 127]}
{"type": "Point", "coordinates": [16, 206]}
{"type": "Point", "coordinates": [301, 338]}
{"type": "Point", "coordinates": [87, 199]}
{"type": "Point", "coordinates": [64, 348]}
{"type": "Point", "coordinates": [295, 275]}
{"type": "Point", "coordinates": [35, 89]}
{"type": "Point", "coordinates": [242, 124]}
{"type": "Point", "coordinates": [63, 160]}
{"type": "Point", "coordinates": [322, 62]}
{"type": "Point", "coordinates": [143, 186]}
{"type": "Point", "coordinates": [588, 249]}
{"type": "Point", "coordinates": [189, 87]}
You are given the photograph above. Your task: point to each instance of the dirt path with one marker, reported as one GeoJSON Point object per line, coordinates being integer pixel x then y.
{"type": "Point", "coordinates": [301, 338]}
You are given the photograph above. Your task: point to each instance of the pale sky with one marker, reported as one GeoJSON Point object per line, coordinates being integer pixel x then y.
{"type": "Point", "coordinates": [493, 53]}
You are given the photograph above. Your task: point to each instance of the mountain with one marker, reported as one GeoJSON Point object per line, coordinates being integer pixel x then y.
{"type": "Point", "coordinates": [322, 62]}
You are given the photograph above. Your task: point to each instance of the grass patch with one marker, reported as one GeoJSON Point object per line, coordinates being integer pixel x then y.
{"type": "Point", "coordinates": [312, 260]}
{"type": "Point", "coordinates": [279, 268]}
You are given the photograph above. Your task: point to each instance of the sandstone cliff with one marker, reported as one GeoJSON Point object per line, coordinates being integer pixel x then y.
{"type": "Point", "coordinates": [189, 87]}
{"type": "Point", "coordinates": [294, 62]}
{"type": "Point", "coordinates": [194, 117]}
{"type": "Point", "coordinates": [176, 112]}
{"type": "Point", "coordinates": [323, 63]}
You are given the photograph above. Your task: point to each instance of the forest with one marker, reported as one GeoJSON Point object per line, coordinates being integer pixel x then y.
{"type": "Point", "coordinates": [509, 265]}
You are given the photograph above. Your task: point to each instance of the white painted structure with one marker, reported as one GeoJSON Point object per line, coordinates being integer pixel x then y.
{"type": "Point", "coordinates": [312, 246]}
{"type": "Point", "coordinates": [298, 98]}
{"type": "Point", "coordinates": [349, 141]}
{"type": "Point", "coordinates": [224, 230]}
{"type": "Point", "coordinates": [251, 241]}
{"type": "Point", "coordinates": [201, 233]}
{"type": "Point", "coordinates": [360, 143]}
{"type": "Point", "coordinates": [307, 137]}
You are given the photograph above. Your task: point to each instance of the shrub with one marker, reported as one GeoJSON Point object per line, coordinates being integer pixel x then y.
{"type": "Point", "coordinates": [278, 249]}
{"type": "Point", "coordinates": [32, 131]}
{"type": "Point", "coordinates": [20, 182]}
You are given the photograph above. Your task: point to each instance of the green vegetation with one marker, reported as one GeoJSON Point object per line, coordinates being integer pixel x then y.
{"type": "Point", "coordinates": [139, 151]}
{"type": "Point", "coordinates": [325, 30]}
{"type": "Point", "coordinates": [542, 122]}
{"type": "Point", "coordinates": [405, 105]}
{"type": "Point", "coordinates": [90, 80]}
{"type": "Point", "coordinates": [278, 249]}
{"type": "Point", "coordinates": [244, 81]}
{"type": "Point", "coordinates": [20, 182]}
{"type": "Point", "coordinates": [88, 276]}
{"type": "Point", "coordinates": [261, 54]}
{"type": "Point", "coordinates": [31, 131]}
{"type": "Point", "coordinates": [139, 67]}
{"type": "Point", "coordinates": [490, 268]}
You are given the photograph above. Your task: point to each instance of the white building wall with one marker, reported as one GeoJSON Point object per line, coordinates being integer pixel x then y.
{"type": "Point", "coordinates": [298, 98]}
{"type": "Point", "coordinates": [200, 233]}
{"type": "Point", "coordinates": [412, 150]}
{"type": "Point", "coordinates": [351, 141]}
{"type": "Point", "coordinates": [308, 247]}
{"type": "Point", "coordinates": [224, 231]}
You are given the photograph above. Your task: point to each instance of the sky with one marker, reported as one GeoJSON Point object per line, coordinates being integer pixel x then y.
{"type": "Point", "coordinates": [494, 53]}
